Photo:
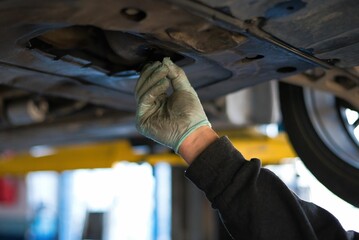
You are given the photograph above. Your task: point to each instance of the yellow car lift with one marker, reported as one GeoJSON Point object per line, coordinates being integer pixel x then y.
{"type": "Point", "coordinates": [106, 154]}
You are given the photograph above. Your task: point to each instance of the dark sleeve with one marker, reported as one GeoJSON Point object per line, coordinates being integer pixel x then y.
{"type": "Point", "coordinates": [254, 203]}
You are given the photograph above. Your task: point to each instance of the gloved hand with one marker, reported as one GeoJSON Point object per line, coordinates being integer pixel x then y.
{"type": "Point", "coordinates": [167, 119]}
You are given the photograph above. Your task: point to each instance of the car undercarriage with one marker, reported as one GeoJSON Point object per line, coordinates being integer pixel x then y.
{"type": "Point", "coordinates": [69, 68]}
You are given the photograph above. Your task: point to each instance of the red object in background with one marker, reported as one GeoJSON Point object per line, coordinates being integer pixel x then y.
{"type": "Point", "coordinates": [8, 191]}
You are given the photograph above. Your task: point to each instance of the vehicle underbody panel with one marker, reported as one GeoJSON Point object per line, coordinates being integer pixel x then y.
{"type": "Point", "coordinates": [83, 57]}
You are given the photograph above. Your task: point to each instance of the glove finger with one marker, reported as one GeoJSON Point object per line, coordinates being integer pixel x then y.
{"type": "Point", "coordinates": [157, 75]}
{"type": "Point", "coordinates": [177, 76]}
{"type": "Point", "coordinates": [145, 73]}
{"type": "Point", "coordinates": [154, 93]}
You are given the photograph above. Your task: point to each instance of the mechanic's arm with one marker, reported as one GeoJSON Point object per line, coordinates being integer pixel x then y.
{"type": "Point", "coordinates": [253, 202]}
{"type": "Point", "coordinates": [196, 143]}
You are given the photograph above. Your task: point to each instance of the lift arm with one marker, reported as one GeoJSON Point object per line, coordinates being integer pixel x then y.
{"type": "Point", "coordinates": [106, 154]}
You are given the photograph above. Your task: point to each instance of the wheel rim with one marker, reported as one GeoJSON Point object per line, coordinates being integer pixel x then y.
{"type": "Point", "coordinates": [351, 121]}
{"type": "Point", "coordinates": [328, 121]}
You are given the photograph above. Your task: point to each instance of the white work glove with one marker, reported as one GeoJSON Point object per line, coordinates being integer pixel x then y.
{"type": "Point", "coordinates": [168, 120]}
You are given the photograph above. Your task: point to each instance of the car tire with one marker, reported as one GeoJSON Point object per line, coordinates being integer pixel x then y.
{"type": "Point", "coordinates": [335, 166]}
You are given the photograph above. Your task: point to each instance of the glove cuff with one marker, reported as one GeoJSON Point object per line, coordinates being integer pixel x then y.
{"type": "Point", "coordinates": [189, 131]}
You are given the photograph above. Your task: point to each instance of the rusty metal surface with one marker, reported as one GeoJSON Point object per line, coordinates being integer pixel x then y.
{"type": "Point", "coordinates": [326, 28]}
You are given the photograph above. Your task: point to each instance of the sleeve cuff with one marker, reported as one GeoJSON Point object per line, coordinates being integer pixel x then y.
{"type": "Point", "coordinates": [214, 168]}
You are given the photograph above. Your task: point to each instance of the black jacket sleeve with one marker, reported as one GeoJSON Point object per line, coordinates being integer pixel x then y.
{"type": "Point", "coordinates": [254, 203]}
